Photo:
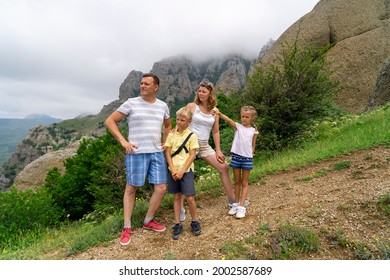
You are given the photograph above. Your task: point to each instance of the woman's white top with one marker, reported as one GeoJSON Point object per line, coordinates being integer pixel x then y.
{"type": "Point", "coordinates": [202, 124]}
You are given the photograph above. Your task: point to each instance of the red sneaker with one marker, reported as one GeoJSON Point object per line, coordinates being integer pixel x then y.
{"type": "Point", "coordinates": [125, 237]}
{"type": "Point", "coordinates": [153, 225]}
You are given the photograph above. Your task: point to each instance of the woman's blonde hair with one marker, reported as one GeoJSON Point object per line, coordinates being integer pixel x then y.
{"type": "Point", "coordinates": [212, 101]}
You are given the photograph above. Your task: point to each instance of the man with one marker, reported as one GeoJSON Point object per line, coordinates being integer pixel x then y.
{"type": "Point", "coordinates": [144, 150]}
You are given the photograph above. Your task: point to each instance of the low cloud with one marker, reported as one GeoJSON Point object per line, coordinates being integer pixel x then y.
{"type": "Point", "coordinates": [63, 58]}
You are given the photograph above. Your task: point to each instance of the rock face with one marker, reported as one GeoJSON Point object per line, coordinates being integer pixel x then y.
{"type": "Point", "coordinates": [3, 182]}
{"type": "Point", "coordinates": [45, 139]}
{"type": "Point", "coordinates": [39, 141]}
{"type": "Point", "coordinates": [381, 92]}
{"type": "Point", "coordinates": [35, 156]}
{"type": "Point", "coordinates": [130, 86]}
{"type": "Point", "coordinates": [180, 77]}
{"type": "Point", "coordinates": [360, 33]}
{"type": "Point", "coordinates": [34, 174]}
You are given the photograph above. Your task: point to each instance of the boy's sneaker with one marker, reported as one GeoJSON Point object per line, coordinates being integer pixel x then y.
{"type": "Point", "coordinates": [125, 237]}
{"type": "Point", "coordinates": [195, 228]}
{"type": "Point", "coordinates": [153, 225]}
{"type": "Point", "coordinates": [182, 214]}
{"type": "Point", "coordinates": [230, 202]}
{"type": "Point", "coordinates": [176, 231]}
{"type": "Point", "coordinates": [233, 210]}
{"type": "Point", "coordinates": [240, 212]}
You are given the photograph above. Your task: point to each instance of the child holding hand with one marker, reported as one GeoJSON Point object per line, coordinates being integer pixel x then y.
{"type": "Point", "coordinates": [243, 149]}
{"type": "Point", "coordinates": [180, 151]}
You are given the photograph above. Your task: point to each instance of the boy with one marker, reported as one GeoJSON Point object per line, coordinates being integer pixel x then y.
{"type": "Point", "coordinates": [181, 169]}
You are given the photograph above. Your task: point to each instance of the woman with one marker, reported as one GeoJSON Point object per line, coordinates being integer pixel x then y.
{"type": "Point", "coordinates": [203, 122]}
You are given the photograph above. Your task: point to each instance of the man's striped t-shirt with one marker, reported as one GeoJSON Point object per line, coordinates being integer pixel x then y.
{"type": "Point", "coordinates": [145, 121]}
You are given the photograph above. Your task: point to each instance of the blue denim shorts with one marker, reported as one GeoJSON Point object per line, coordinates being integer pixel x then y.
{"type": "Point", "coordinates": [138, 166]}
{"type": "Point", "coordinates": [241, 162]}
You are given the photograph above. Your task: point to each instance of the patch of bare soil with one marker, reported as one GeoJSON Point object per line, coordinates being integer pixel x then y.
{"type": "Point", "coordinates": [341, 199]}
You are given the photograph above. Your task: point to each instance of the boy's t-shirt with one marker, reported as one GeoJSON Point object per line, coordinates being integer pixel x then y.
{"type": "Point", "coordinates": [174, 141]}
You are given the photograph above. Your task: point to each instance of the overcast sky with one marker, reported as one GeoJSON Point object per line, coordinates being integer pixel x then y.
{"type": "Point", "coordinates": [66, 57]}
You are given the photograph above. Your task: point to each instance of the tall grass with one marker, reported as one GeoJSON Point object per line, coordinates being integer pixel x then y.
{"type": "Point", "coordinates": [352, 133]}
{"type": "Point", "coordinates": [64, 241]}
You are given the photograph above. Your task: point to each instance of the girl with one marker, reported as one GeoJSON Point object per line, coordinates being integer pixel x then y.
{"type": "Point", "coordinates": [243, 149]}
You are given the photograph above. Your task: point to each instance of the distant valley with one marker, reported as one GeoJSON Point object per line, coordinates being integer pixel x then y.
{"type": "Point", "coordinates": [13, 131]}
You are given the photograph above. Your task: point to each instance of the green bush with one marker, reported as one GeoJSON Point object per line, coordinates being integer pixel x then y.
{"type": "Point", "coordinates": [94, 178]}
{"type": "Point", "coordinates": [230, 106]}
{"type": "Point", "coordinates": [290, 94]}
{"type": "Point", "coordinates": [70, 190]}
{"type": "Point", "coordinates": [108, 179]}
{"type": "Point", "coordinates": [23, 211]}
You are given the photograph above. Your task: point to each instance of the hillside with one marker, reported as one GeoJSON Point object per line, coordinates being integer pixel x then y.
{"type": "Point", "coordinates": [13, 131]}
{"type": "Point", "coordinates": [338, 206]}
{"type": "Point", "coordinates": [358, 34]}
{"type": "Point", "coordinates": [179, 76]}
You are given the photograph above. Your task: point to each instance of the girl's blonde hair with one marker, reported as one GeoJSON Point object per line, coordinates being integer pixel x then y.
{"type": "Point", "coordinates": [212, 101]}
{"type": "Point", "coordinates": [185, 112]}
{"type": "Point", "coordinates": [251, 109]}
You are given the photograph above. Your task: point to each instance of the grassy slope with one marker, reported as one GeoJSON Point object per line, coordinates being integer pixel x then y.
{"type": "Point", "coordinates": [354, 133]}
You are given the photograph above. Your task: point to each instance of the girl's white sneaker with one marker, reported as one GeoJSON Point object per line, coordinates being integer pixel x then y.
{"type": "Point", "coordinates": [240, 212]}
{"type": "Point", "coordinates": [233, 210]}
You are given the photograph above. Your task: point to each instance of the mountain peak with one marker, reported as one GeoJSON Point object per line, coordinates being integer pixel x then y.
{"type": "Point", "coordinates": [42, 117]}
{"type": "Point", "coordinates": [36, 116]}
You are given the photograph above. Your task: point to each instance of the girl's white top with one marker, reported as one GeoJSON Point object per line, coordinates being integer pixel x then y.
{"type": "Point", "coordinates": [242, 142]}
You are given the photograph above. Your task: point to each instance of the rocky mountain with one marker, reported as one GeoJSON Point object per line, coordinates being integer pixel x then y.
{"type": "Point", "coordinates": [41, 165]}
{"type": "Point", "coordinates": [47, 139]}
{"type": "Point", "coordinates": [13, 131]}
{"type": "Point", "coordinates": [359, 34]}
{"type": "Point", "coordinates": [359, 31]}
{"type": "Point", "coordinates": [42, 118]}
{"type": "Point", "coordinates": [381, 92]}
{"type": "Point", "coordinates": [179, 77]}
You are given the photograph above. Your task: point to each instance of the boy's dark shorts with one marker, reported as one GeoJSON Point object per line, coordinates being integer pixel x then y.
{"type": "Point", "coordinates": [185, 185]}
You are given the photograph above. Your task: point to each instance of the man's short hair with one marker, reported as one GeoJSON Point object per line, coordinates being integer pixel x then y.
{"type": "Point", "coordinates": [155, 78]}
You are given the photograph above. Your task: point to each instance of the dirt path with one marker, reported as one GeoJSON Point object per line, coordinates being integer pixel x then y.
{"type": "Point", "coordinates": [341, 199]}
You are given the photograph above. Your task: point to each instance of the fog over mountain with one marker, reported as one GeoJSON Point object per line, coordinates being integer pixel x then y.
{"type": "Point", "coordinates": [63, 58]}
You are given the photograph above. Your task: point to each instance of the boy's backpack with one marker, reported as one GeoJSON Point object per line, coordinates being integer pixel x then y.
{"type": "Point", "coordinates": [183, 146]}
